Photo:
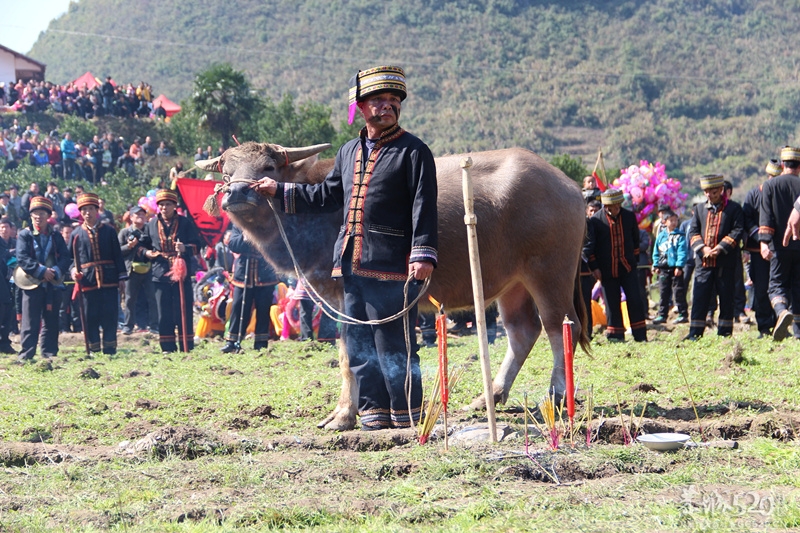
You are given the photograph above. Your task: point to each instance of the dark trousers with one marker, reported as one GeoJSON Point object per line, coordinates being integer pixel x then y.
{"type": "Point", "coordinates": [100, 309]}
{"type": "Point", "coordinates": [140, 284]}
{"type": "Point", "coordinates": [784, 284]}
{"type": "Point", "coordinates": [707, 280]}
{"type": "Point", "coordinates": [168, 302]}
{"type": "Point", "coordinates": [40, 317]}
{"type": "Point", "coordinates": [69, 316]}
{"type": "Point", "coordinates": [629, 282]}
{"type": "Point", "coordinates": [6, 310]}
{"type": "Point", "coordinates": [643, 272]}
{"type": "Point", "coordinates": [671, 286]}
{"type": "Point", "coordinates": [69, 169]}
{"type": "Point", "coordinates": [306, 319]}
{"type": "Point", "coordinates": [261, 297]}
{"type": "Point", "coordinates": [739, 298]}
{"type": "Point", "coordinates": [587, 284]}
{"type": "Point", "coordinates": [378, 354]}
{"type": "Point", "coordinates": [759, 275]}
{"type": "Point", "coordinates": [327, 329]}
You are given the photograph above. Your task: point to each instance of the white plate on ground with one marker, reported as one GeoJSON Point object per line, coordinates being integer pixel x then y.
{"type": "Point", "coordinates": [663, 441]}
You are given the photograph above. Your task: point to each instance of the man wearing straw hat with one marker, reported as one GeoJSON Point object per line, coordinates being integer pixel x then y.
{"type": "Point", "coordinates": [99, 270]}
{"type": "Point", "coordinates": [612, 250]}
{"type": "Point", "coordinates": [43, 256]}
{"type": "Point", "coordinates": [759, 267]}
{"type": "Point", "coordinates": [169, 236]}
{"type": "Point", "coordinates": [386, 178]}
{"type": "Point", "coordinates": [777, 199]}
{"type": "Point", "coordinates": [715, 231]}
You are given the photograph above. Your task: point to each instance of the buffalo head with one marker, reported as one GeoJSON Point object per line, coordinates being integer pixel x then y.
{"type": "Point", "coordinates": [243, 165]}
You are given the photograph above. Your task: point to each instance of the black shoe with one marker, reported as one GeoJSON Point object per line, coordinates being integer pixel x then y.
{"type": "Point", "coordinates": [260, 346]}
{"type": "Point", "coordinates": [127, 331]}
{"type": "Point", "coordinates": [659, 320]}
{"type": "Point", "coordinates": [781, 329]}
{"type": "Point", "coordinates": [692, 338]}
{"type": "Point", "coordinates": [230, 347]}
{"type": "Point", "coordinates": [7, 348]}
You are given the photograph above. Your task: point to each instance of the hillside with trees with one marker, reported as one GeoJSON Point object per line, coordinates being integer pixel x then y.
{"type": "Point", "coordinates": [699, 85]}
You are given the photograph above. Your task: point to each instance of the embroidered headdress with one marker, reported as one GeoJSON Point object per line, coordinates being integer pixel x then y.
{"type": "Point", "coordinates": [774, 167]}
{"type": "Point", "coordinates": [612, 197]}
{"type": "Point", "coordinates": [790, 153]}
{"type": "Point", "coordinates": [40, 202]}
{"type": "Point", "coordinates": [712, 181]}
{"type": "Point", "coordinates": [166, 195]}
{"type": "Point", "coordinates": [88, 198]}
{"type": "Point", "coordinates": [375, 80]}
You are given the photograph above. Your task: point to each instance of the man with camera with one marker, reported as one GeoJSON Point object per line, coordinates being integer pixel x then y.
{"type": "Point", "coordinates": [140, 281]}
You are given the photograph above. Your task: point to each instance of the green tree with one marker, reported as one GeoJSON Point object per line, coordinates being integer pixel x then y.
{"type": "Point", "coordinates": [287, 124]}
{"type": "Point", "coordinates": [571, 166]}
{"type": "Point", "coordinates": [223, 102]}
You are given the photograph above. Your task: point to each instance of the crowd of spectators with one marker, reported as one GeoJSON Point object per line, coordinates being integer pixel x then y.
{"type": "Point", "coordinates": [106, 99]}
{"type": "Point", "coordinates": [69, 158]}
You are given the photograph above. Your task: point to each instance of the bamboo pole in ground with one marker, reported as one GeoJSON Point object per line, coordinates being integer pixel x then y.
{"type": "Point", "coordinates": [471, 222]}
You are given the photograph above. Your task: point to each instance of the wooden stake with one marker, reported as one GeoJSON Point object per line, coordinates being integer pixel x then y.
{"type": "Point", "coordinates": [471, 222]}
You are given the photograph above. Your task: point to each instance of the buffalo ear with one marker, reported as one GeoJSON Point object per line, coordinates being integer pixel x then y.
{"type": "Point", "coordinates": [210, 165]}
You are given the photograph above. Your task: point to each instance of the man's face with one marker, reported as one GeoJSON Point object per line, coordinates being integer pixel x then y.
{"type": "Point", "coordinates": [5, 231]}
{"type": "Point", "coordinates": [614, 209]}
{"type": "Point", "coordinates": [167, 208]}
{"type": "Point", "coordinates": [590, 211]}
{"type": "Point", "coordinates": [137, 219]}
{"type": "Point", "coordinates": [381, 110]}
{"type": "Point", "coordinates": [714, 195]}
{"type": "Point", "coordinates": [39, 218]}
{"type": "Point", "coordinates": [66, 231]}
{"type": "Point", "coordinates": [89, 214]}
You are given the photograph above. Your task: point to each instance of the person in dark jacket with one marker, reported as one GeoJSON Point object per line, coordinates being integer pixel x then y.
{"type": "Point", "coordinates": [714, 234]}
{"type": "Point", "coordinates": [386, 179]}
{"type": "Point", "coordinates": [612, 251]}
{"type": "Point", "coordinates": [253, 283]}
{"type": "Point", "coordinates": [777, 200]}
{"type": "Point", "coordinates": [6, 300]}
{"type": "Point", "coordinates": [169, 236]}
{"type": "Point", "coordinates": [759, 267]}
{"type": "Point", "coordinates": [42, 254]}
{"type": "Point", "coordinates": [140, 280]}
{"type": "Point", "coordinates": [99, 271]}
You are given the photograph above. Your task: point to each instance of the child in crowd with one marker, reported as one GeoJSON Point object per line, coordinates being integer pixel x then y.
{"type": "Point", "coordinates": [669, 256]}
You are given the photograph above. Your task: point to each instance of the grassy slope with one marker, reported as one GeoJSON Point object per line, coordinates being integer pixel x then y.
{"type": "Point", "coordinates": [301, 481]}
{"type": "Point", "coordinates": [698, 85]}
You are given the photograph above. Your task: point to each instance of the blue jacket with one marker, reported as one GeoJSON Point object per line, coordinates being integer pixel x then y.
{"type": "Point", "coordinates": [673, 246]}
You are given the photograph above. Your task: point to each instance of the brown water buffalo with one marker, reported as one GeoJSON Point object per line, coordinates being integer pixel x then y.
{"type": "Point", "coordinates": [530, 232]}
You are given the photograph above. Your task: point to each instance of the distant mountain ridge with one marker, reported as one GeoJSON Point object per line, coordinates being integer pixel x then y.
{"type": "Point", "coordinates": [699, 85]}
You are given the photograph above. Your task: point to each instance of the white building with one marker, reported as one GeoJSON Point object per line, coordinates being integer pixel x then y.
{"type": "Point", "coordinates": [15, 66]}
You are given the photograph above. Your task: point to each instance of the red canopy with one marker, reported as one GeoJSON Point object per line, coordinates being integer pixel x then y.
{"type": "Point", "coordinates": [169, 106]}
{"type": "Point", "coordinates": [89, 79]}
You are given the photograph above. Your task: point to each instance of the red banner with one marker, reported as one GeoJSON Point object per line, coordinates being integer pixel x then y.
{"type": "Point", "coordinates": [194, 193]}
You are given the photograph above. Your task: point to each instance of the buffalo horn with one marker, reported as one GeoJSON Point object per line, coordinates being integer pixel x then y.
{"type": "Point", "coordinates": [297, 154]}
{"type": "Point", "coordinates": [210, 165]}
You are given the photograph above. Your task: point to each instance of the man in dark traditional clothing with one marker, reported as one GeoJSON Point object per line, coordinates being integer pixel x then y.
{"type": "Point", "coordinates": [99, 271]}
{"type": "Point", "coordinates": [759, 267]}
{"type": "Point", "coordinates": [612, 251]}
{"type": "Point", "coordinates": [253, 282]}
{"type": "Point", "coordinates": [777, 199]}
{"type": "Point", "coordinates": [386, 178]}
{"type": "Point", "coordinates": [169, 236]}
{"type": "Point", "coordinates": [42, 254]}
{"type": "Point", "coordinates": [715, 231]}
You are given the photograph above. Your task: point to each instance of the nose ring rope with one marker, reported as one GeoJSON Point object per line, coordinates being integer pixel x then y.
{"type": "Point", "coordinates": [324, 305]}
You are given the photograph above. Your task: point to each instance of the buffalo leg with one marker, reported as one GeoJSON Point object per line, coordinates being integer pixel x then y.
{"type": "Point", "coordinates": [343, 417]}
{"type": "Point", "coordinates": [522, 324]}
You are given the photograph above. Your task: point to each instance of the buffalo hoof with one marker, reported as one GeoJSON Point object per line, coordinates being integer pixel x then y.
{"type": "Point", "coordinates": [339, 420]}
{"type": "Point", "coordinates": [479, 403]}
